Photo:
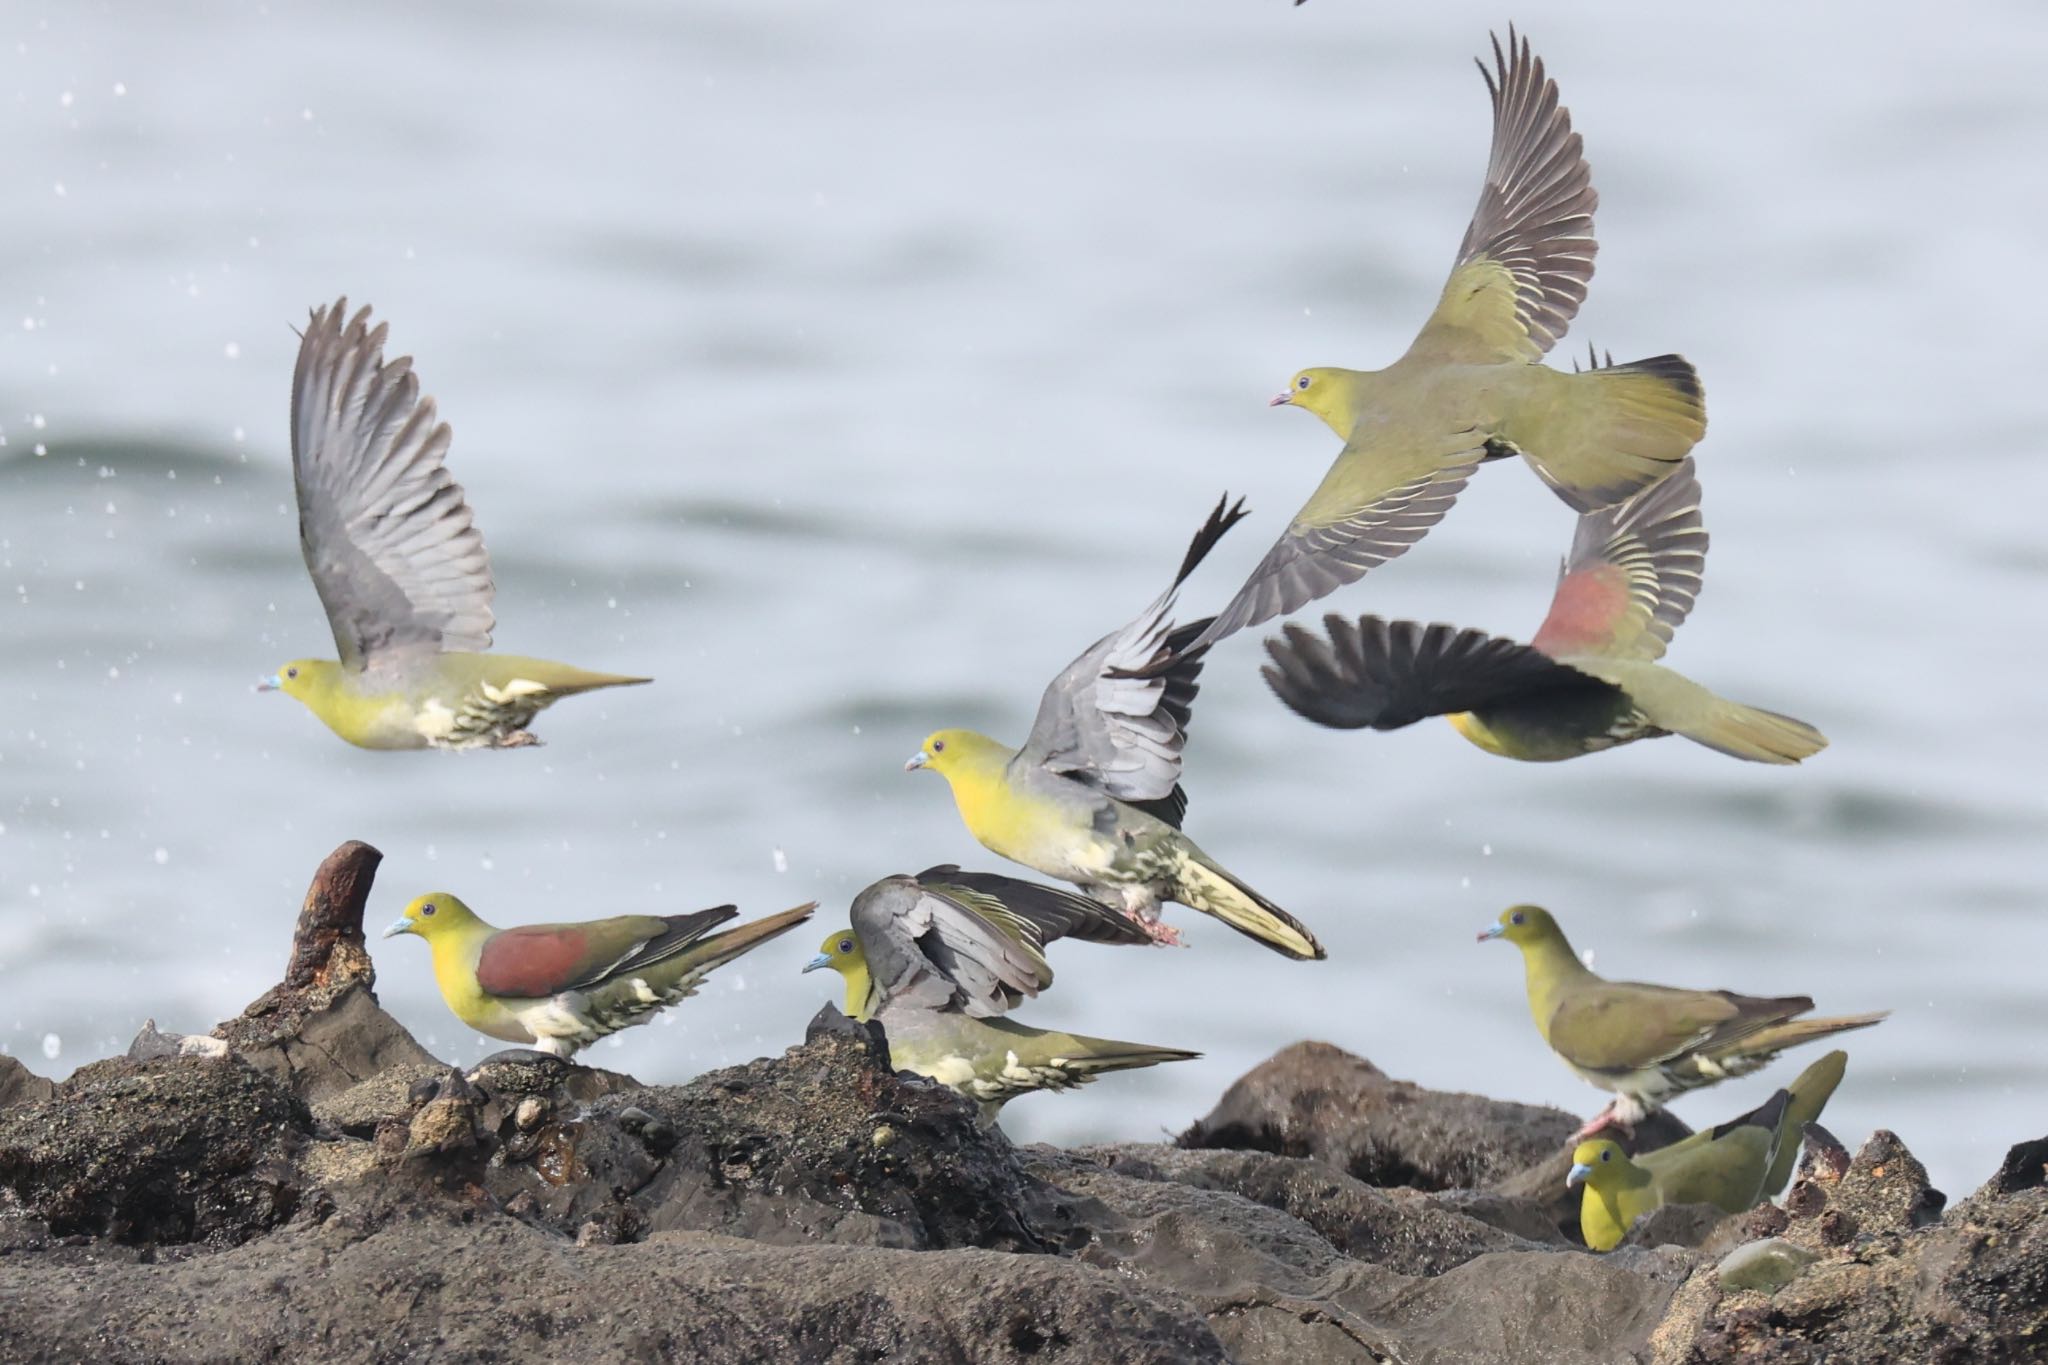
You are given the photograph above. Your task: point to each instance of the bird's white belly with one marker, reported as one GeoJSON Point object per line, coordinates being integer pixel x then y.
{"type": "Point", "coordinates": [433, 721]}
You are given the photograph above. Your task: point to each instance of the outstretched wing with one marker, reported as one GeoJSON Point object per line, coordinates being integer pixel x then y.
{"type": "Point", "coordinates": [1528, 253]}
{"type": "Point", "coordinates": [1034, 910]}
{"type": "Point", "coordinates": [1112, 721]}
{"type": "Point", "coordinates": [393, 550]}
{"type": "Point", "coordinates": [1387, 674]}
{"type": "Point", "coordinates": [1633, 573]}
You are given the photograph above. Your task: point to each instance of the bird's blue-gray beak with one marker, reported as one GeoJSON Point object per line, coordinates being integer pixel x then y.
{"type": "Point", "coordinates": [401, 925]}
{"type": "Point", "coordinates": [917, 760]}
{"type": "Point", "coordinates": [1495, 932]}
{"type": "Point", "coordinates": [273, 683]}
{"type": "Point", "coordinates": [1281, 401]}
{"type": "Point", "coordinates": [1577, 1175]}
{"type": "Point", "coordinates": [819, 961]}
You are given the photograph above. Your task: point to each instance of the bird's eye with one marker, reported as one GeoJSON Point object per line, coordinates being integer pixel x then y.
{"type": "Point", "coordinates": [1607, 1155]}
{"type": "Point", "coordinates": [1520, 918]}
{"type": "Point", "coordinates": [938, 746]}
{"type": "Point", "coordinates": [1301, 383]}
{"type": "Point", "coordinates": [291, 672]}
{"type": "Point", "coordinates": [427, 909]}
{"type": "Point", "coordinates": [845, 945]}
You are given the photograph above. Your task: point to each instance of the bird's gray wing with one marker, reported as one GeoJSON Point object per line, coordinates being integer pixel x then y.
{"type": "Point", "coordinates": [1633, 573]}
{"type": "Point", "coordinates": [939, 948]}
{"type": "Point", "coordinates": [1387, 674]}
{"type": "Point", "coordinates": [1034, 911]}
{"type": "Point", "coordinates": [1116, 718]}
{"type": "Point", "coordinates": [390, 542]}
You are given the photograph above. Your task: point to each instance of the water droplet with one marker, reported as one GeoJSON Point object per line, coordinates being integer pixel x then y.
{"type": "Point", "coordinates": [162, 856]}
{"type": "Point", "coordinates": [781, 861]}
{"type": "Point", "coordinates": [52, 1045]}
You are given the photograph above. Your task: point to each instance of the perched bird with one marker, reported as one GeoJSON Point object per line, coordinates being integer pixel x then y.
{"type": "Point", "coordinates": [953, 940]}
{"type": "Point", "coordinates": [937, 969]}
{"type": "Point", "coordinates": [1723, 1166]}
{"type": "Point", "coordinates": [1093, 797]}
{"type": "Point", "coordinates": [1471, 388]}
{"type": "Point", "coordinates": [1733, 1167]}
{"type": "Point", "coordinates": [398, 563]}
{"type": "Point", "coordinates": [1589, 679]}
{"type": "Point", "coordinates": [1648, 1044]}
{"type": "Point", "coordinates": [560, 987]}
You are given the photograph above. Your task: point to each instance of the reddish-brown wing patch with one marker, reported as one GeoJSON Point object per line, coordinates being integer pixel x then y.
{"type": "Point", "coordinates": [535, 961]}
{"type": "Point", "coordinates": [1588, 605]}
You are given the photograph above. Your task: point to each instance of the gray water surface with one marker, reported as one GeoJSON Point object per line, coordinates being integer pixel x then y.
{"type": "Point", "coordinates": [850, 368]}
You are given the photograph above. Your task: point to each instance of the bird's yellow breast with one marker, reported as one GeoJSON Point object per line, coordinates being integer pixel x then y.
{"type": "Point", "coordinates": [1001, 818]}
{"type": "Point", "coordinates": [1474, 729]}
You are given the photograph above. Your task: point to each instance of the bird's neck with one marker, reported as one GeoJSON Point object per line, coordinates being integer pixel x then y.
{"type": "Point", "coordinates": [1550, 967]}
{"type": "Point", "coordinates": [456, 949]}
{"type": "Point", "coordinates": [1347, 395]}
{"type": "Point", "coordinates": [862, 999]}
{"type": "Point", "coordinates": [976, 776]}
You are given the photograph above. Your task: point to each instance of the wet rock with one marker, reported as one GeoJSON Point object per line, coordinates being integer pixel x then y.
{"type": "Point", "coordinates": [1315, 1100]}
{"type": "Point", "coordinates": [151, 1042]}
{"type": "Point", "coordinates": [1682, 1225]}
{"type": "Point", "coordinates": [184, 1149]}
{"type": "Point", "coordinates": [393, 1094]}
{"type": "Point", "coordinates": [19, 1085]}
{"type": "Point", "coordinates": [446, 1123]}
{"type": "Point", "coordinates": [2025, 1168]}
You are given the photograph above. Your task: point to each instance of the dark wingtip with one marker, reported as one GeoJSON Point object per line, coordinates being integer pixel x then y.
{"type": "Point", "coordinates": [1224, 516]}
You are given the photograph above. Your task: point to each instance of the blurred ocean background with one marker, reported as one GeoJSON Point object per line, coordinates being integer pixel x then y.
{"type": "Point", "coordinates": [850, 368]}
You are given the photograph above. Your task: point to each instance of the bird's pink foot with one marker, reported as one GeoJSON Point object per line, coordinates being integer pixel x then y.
{"type": "Point", "coordinates": [1159, 932]}
{"type": "Point", "coordinates": [518, 739]}
{"type": "Point", "coordinates": [1601, 1122]}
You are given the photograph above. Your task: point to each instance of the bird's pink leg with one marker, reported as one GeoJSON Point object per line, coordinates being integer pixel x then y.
{"type": "Point", "coordinates": [1605, 1119]}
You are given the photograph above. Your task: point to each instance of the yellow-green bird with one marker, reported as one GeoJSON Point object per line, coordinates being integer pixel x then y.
{"type": "Point", "coordinates": [937, 960]}
{"type": "Point", "coordinates": [1734, 1167]}
{"type": "Point", "coordinates": [1587, 681]}
{"type": "Point", "coordinates": [1094, 796]}
{"type": "Point", "coordinates": [1648, 1044]}
{"type": "Point", "coordinates": [1471, 388]}
{"type": "Point", "coordinates": [560, 987]}
{"type": "Point", "coordinates": [398, 562]}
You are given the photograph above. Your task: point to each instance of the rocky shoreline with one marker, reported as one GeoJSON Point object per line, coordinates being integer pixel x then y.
{"type": "Point", "coordinates": [308, 1180]}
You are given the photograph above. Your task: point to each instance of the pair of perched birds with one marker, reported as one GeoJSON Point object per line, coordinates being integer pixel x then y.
{"type": "Point", "coordinates": [1093, 796]}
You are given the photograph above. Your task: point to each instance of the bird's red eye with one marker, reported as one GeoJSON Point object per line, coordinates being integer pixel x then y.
{"type": "Point", "coordinates": [938, 746]}
{"type": "Point", "coordinates": [427, 909]}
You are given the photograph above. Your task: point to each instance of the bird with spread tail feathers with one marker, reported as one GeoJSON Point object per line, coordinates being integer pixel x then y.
{"type": "Point", "coordinates": [398, 562]}
{"type": "Point", "coordinates": [1734, 1166]}
{"type": "Point", "coordinates": [1471, 387]}
{"type": "Point", "coordinates": [561, 987]}
{"type": "Point", "coordinates": [1588, 680]}
{"type": "Point", "coordinates": [1094, 796]}
{"type": "Point", "coordinates": [1649, 1044]}
{"type": "Point", "coordinates": [938, 958]}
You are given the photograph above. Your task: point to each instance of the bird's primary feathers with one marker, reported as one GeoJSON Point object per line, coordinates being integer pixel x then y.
{"type": "Point", "coordinates": [1093, 797]}
{"type": "Point", "coordinates": [937, 958]}
{"type": "Point", "coordinates": [561, 987]}
{"type": "Point", "coordinates": [1471, 387]}
{"type": "Point", "coordinates": [398, 562]}
{"type": "Point", "coordinates": [1588, 680]}
{"type": "Point", "coordinates": [1648, 1044]}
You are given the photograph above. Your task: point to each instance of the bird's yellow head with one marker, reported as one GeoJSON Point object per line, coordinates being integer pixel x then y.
{"type": "Point", "coordinates": [1324, 392]}
{"type": "Point", "coordinates": [1598, 1163]}
{"type": "Point", "coordinates": [304, 679]}
{"type": "Point", "coordinates": [431, 916]}
{"type": "Point", "coordinates": [842, 952]}
{"type": "Point", "coordinates": [949, 751]}
{"type": "Point", "coordinates": [1523, 926]}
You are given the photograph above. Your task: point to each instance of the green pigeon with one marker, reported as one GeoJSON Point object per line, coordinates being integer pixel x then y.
{"type": "Point", "coordinates": [1649, 1044]}
{"type": "Point", "coordinates": [948, 939]}
{"type": "Point", "coordinates": [561, 987]}
{"type": "Point", "coordinates": [398, 562]}
{"type": "Point", "coordinates": [1472, 388]}
{"type": "Point", "coordinates": [1094, 796]}
{"type": "Point", "coordinates": [936, 964]}
{"type": "Point", "coordinates": [1733, 1167]}
{"type": "Point", "coordinates": [1587, 681]}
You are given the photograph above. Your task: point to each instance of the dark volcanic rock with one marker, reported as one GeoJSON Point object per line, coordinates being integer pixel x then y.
{"type": "Point", "coordinates": [19, 1085]}
{"type": "Point", "coordinates": [1320, 1101]}
{"type": "Point", "coordinates": [186, 1149]}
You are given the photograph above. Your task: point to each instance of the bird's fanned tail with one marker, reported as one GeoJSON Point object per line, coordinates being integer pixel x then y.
{"type": "Point", "coordinates": [1203, 885]}
{"type": "Point", "coordinates": [1619, 429]}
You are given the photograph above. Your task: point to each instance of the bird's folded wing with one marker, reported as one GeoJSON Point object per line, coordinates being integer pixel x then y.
{"type": "Point", "coordinates": [1633, 574]}
{"type": "Point", "coordinates": [1111, 721]}
{"type": "Point", "coordinates": [946, 948]}
{"type": "Point", "coordinates": [538, 960]}
{"type": "Point", "coordinates": [394, 554]}
{"type": "Point", "coordinates": [1381, 496]}
{"type": "Point", "coordinates": [1626, 1025]}
{"type": "Point", "coordinates": [1528, 253]}
{"type": "Point", "coordinates": [1387, 674]}
{"type": "Point", "coordinates": [1041, 912]}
